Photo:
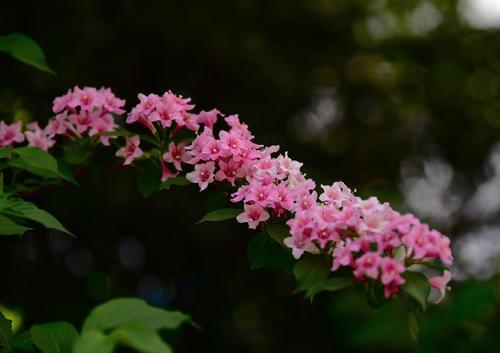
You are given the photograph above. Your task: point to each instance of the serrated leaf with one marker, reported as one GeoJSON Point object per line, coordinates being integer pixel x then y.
{"type": "Point", "coordinates": [148, 179]}
{"type": "Point", "coordinates": [416, 286]}
{"type": "Point", "coordinates": [26, 50]}
{"type": "Point", "coordinates": [221, 215]}
{"type": "Point", "coordinates": [179, 181]}
{"type": "Point", "coordinates": [263, 251]}
{"type": "Point", "coordinates": [9, 227]}
{"type": "Point", "coordinates": [54, 337]}
{"type": "Point", "coordinates": [140, 338]}
{"type": "Point", "coordinates": [94, 342]}
{"type": "Point", "coordinates": [6, 334]}
{"type": "Point", "coordinates": [117, 312]}
{"type": "Point", "coordinates": [24, 209]}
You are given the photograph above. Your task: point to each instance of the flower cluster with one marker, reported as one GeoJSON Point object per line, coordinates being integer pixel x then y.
{"type": "Point", "coordinates": [364, 235]}
{"type": "Point", "coordinates": [80, 112]}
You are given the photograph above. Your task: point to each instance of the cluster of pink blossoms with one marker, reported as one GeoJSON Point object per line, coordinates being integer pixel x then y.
{"type": "Point", "coordinates": [367, 236]}
{"type": "Point", "coordinates": [80, 112]}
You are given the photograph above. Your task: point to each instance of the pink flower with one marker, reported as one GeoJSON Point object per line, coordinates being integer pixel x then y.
{"type": "Point", "coordinates": [57, 126]}
{"type": "Point", "coordinates": [166, 173]}
{"type": "Point", "coordinates": [338, 194]}
{"type": "Point", "coordinates": [110, 102]}
{"type": "Point", "coordinates": [344, 254]}
{"type": "Point", "coordinates": [131, 150]}
{"type": "Point", "coordinates": [440, 283]}
{"type": "Point", "coordinates": [203, 174]}
{"type": "Point", "coordinates": [38, 138]}
{"type": "Point", "coordinates": [62, 102]}
{"type": "Point", "coordinates": [10, 133]}
{"type": "Point", "coordinates": [105, 123]}
{"type": "Point", "coordinates": [391, 271]}
{"type": "Point", "coordinates": [253, 215]}
{"type": "Point", "coordinates": [208, 118]}
{"type": "Point", "coordinates": [229, 171]}
{"type": "Point", "coordinates": [176, 154]}
{"type": "Point", "coordinates": [142, 111]}
{"type": "Point", "coordinates": [86, 98]}
{"type": "Point", "coordinates": [367, 266]}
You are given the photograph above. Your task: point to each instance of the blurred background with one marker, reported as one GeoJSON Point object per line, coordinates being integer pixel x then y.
{"type": "Point", "coordinates": [398, 98]}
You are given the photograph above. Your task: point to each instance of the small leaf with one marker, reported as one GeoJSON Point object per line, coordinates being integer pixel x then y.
{"type": "Point", "coordinates": [149, 179]}
{"type": "Point", "coordinates": [263, 251]}
{"type": "Point", "coordinates": [24, 209]}
{"type": "Point", "coordinates": [278, 232]}
{"type": "Point", "coordinates": [117, 312]}
{"type": "Point", "coordinates": [179, 181]}
{"type": "Point", "coordinates": [26, 50]}
{"type": "Point", "coordinates": [414, 325]}
{"type": "Point", "coordinates": [94, 342]}
{"type": "Point", "coordinates": [9, 227]}
{"type": "Point", "coordinates": [221, 215]}
{"type": "Point", "coordinates": [75, 153]}
{"type": "Point", "coordinates": [54, 337]}
{"type": "Point", "coordinates": [140, 338]}
{"type": "Point", "coordinates": [66, 173]}
{"type": "Point", "coordinates": [416, 286]}
{"type": "Point", "coordinates": [6, 334]}
{"type": "Point", "coordinates": [311, 272]}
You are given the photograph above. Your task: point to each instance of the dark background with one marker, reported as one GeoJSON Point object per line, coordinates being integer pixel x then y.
{"type": "Point", "coordinates": [399, 99]}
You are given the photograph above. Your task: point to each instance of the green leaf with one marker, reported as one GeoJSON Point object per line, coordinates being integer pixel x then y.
{"type": "Point", "coordinates": [66, 173]}
{"type": "Point", "coordinates": [26, 50]}
{"type": "Point", "coordinates": [117, 312]}
{"type": "Point", "coordinates": [94, 342]}
{"type": "Point", "coordinates": [9, 227]}
{"type": "Point", "coordinates": [6, 334]}
{"type": "Point", "coordinates": [263, 251]}
{"type": "Point", "coordinates": [336, 283]}
{"type": "Point", "coordinates": [311, 272]}
{"type": "Point", "coordinates": [414, 325]}
{"type": "Point", "coordinates": [179, 181]}
{"type": "Point", "coordinates": [24, 342]}
{"type": "Point", "coordinates": [278, 232]}
{"type": "Point", "coordinates": [75, 153]}
{"type": "Point", "coordinates": [39, 162]}
{"type": "Point", "coordinates": [24, 209]}
{"type": "Point", "coordinates": [140, 338]}
{"type": "Point", "coordinates": [54, 337]}
{"type": "Point", "coordinates": [417, 287]}
{"type": "Point", "coordinates": [221, 215]}
{"type": "Point", "coordinates": [149, 179]}
{"type": "Point", "coordinates": [5, 152]}
{"type": "Point", "coordinates": [375, 294]}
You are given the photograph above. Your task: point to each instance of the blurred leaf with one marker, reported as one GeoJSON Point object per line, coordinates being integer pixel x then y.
{"type": "Point", "coordinates": [416, 286]}
{"type": "Point", "coordinates": [75, 153]}
{"type": "Point", "coordinates": [94, 342]}
{"type": "Point", "coordinates": [221, 215]}
{"type": "Point", "coordinates": [24, 209]}
{"type": "Point", "coordinates": [117, 312]}
{"type": "Point", "coordinates": [414, 325]}
{"type": "Point", "coordinates": [179, 181]}
{"type": "Point", "coordinates": [24, 342]}
{"type": "Point", "coordinates": [6, 334]}
{"type": "Point", "coordinates": [140, 338]}
{"type": "Point", "coordinates": [263, 251]}
{"type": "Point", "coordinates": [66, 172]}
{"type": "Point", "coordinates": [9, 227]}
{"type": "Point", "coordinates": [278, 232]}
{"type": "Point", "coordinates": [54, 337]}
{"type": "Point", "coordinates": [375, 294]}
{"type": "Point", "coordinates": [311, 272]}
{"type": "Point", "coordinates": [5, 152]}
{"type": "Point", "coordinates": [26, 50]}
{"type": "Point", "coordinates": [216, 198]}
{"type": "Point", "coordinates": [149, 179]}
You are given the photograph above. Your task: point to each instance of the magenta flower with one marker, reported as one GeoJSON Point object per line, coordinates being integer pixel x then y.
{"type": "Point", "coordinates": [131, 150]}
{"type": "Point", "coordinates": [367, 266]}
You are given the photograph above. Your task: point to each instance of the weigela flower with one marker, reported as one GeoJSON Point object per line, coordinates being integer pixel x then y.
{"type": "Point", "coordinates": [202, 175]}
{"type": "Point", "coordinates": [38, 138]}
{"type": "Point", "coordinates": [10, 134]}
{"type": "Point", "coordinates": [131, 150]}
{"type": "Point", "coordinates": [253, 215]}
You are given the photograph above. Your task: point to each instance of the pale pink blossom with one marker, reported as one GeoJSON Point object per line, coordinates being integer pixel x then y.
{"type": "Point", "coordinates": [10, 134]}
{"type": "Point", "coordinates": [253, 215]}
{"type": "Point", "coordinates": [441, 283]}
{"type": "Point", "coordinates": [202, 175]}
{"type": "Point", "coordinates": [177, 154]}
{"type": "Point", "coordinates": [131, 150]}
{"type": "Point", "coordinates": [38, 138]}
